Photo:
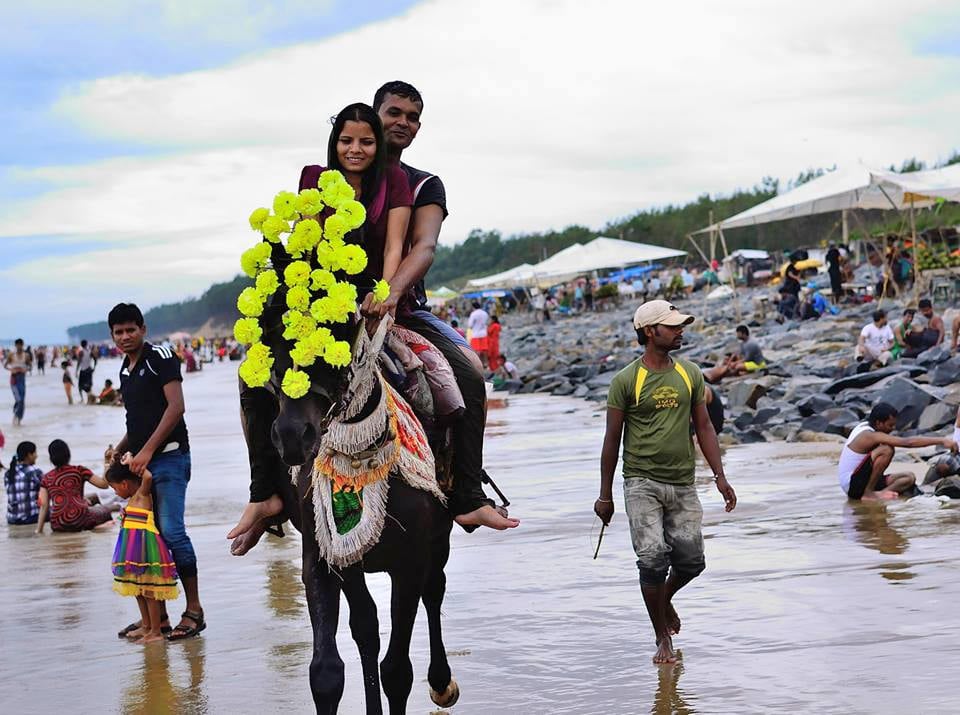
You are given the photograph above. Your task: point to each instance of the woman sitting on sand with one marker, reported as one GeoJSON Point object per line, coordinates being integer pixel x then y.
{"type": "Point", "coordinates": [61, 494]}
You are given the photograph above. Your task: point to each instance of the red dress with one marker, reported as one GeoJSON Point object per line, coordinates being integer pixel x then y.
{"type": "Point", "coordinates": [69, 511]}
{"type": "Point", "coordinates": [493, 345]}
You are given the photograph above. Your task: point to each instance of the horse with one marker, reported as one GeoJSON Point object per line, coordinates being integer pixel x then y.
{"type": "Point", "coordinates": [413, 546]}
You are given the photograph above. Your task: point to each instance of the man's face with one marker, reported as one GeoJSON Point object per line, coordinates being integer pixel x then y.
{"type": "Point", "coordinates": [882, 322]}
{"type": "Point", "coordinates": [927, 312]}
{"type": "Point", "coordinates": [128, 337]}
{"type": "Point", "coordinates": [887, 426]}
{"type": "Point", "coordinates": [401, 121]}
{"type": "Point", "coordinates": [741, 336]}
{"type": "Point", "coordinates": [666, 337]}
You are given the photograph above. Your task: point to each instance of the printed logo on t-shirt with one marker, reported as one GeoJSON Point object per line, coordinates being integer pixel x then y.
{"type": "Point", "coordinates": [665, 397]}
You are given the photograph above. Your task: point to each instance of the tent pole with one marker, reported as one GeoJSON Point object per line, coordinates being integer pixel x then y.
{"type": "Point", "coordinates": [733, 280]}
{"type": "Point", "coordinates": [713, 241]}
{"type": "Point", "coordinates": [846, 228]}
{"type": "Point", "coordinates": [916, 264]}
{"type": "Point", "coordinates": [697, 246]}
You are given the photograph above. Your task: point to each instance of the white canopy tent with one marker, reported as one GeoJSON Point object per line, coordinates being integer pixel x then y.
{"type": "Point", "coordinates": [518, 275]}
{"type": "Point", "coordinates": [577, 260]}
{"type": "Point", "coordinates": [923, 187]}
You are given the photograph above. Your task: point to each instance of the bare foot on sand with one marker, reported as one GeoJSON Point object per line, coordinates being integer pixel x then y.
{"type": "Point", "coordinates": [252, 524]}
{"type": "Point", "coordinates": [878, 496]}
{"type": "Point", "coordinates": [137, 633]}
{"type": "Point", "coordinates": [665, 652]}
{"type": "Point", "coordinates": [673, 620]}
{"type": "Point", "coordinates": [151, 638]}
{"type": "Point", "coordinates": [487, 516]}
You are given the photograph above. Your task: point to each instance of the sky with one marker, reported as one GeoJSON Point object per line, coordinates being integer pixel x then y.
{"type": "Point", "coordinates": [137, 136]}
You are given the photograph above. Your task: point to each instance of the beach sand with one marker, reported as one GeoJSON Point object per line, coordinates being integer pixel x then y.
{"type": "Point", "coordinates": [808, 603]}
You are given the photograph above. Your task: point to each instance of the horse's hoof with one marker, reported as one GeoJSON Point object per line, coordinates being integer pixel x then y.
{"type": "Point", "coordinates": [449, 697]}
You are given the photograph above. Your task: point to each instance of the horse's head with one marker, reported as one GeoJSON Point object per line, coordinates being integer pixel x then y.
{"type": "Point", "coordinates": [302, 422]}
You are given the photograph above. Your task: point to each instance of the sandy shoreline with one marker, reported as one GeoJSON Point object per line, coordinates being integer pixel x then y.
{"type": "Point", "coordinates": [803, 592]}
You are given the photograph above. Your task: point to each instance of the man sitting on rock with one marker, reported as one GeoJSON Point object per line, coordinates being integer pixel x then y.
{"type": "Point", "coordinates": [930, 336]}
{"type": "Point", "coordinates": [946, 465]}
{"type": "Point", "coordinates": [751, 357]}
{"type": "Point", "coordinates": [875, 341]}
{"type": "Point", "coordinates": [868, 452]}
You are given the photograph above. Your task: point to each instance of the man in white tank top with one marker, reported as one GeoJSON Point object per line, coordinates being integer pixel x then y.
{"type": "Point", "coordinates": [868, 452]}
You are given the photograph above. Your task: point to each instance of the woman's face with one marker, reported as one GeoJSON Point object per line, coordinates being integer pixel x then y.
{"type": "Point", "coordinates": [356, 147]}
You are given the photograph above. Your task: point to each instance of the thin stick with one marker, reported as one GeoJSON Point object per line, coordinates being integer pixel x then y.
{"type": "Point", "coordinates": [599, 541]}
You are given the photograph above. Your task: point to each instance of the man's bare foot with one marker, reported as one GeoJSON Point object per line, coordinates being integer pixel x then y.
{"type": "Point", "coordinates": [252, 524]}
{"type": "Point", "coordinates": [878, 496]}
{"type": "Point", "coordinates": [487, 516]}
{"type": "Point", "coordinates": [665, 652]}
{"type": "Point", "coordinates": [673, 620]}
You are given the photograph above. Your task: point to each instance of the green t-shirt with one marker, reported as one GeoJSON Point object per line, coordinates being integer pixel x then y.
{"type": "Point", "coordinates": [656, 429]}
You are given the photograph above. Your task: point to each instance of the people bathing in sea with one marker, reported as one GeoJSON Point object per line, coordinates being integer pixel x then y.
{"type": "Point", "coordinates": [649, 408]}
{"type": "Point", "coordinates": [61, 494]}
{"type": "Point", "coordinates": [868, 452]}
{"type": "Point", "coordinates": [86, 361]}
{"type": "Point", "coordinates": [142, 565]}
{"type": "Point", "coordinates": [22, 482]}
{"type": "Point", "coordinates": [875, 341]}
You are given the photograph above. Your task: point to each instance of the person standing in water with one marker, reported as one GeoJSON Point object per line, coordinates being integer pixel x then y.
{"type": "Point", "coordinates": [17, 362]}
{"type": "Point", "coordinates": [650, 405]}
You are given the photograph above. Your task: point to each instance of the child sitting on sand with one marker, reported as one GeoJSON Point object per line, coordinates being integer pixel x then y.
{"type": "Point", "coordinates": [142, 564]}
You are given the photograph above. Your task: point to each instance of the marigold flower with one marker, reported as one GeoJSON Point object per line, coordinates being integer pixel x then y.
{"type": "Point", "coordinates": [272, 227]}
{"type": "Point", "coordinates": [335, 227]}
{"type": "Point", "coordinates": [309, 202]}
{"type": "Point", "coordinates": [298, 298]}
{"type": "Point", "coordinates": [247, 330]}
{"type": "Point", "coordinates": [255, 369]}
{"type": "Point", "coordinates": [250, 303]}
{"type": "Point", "coordinates": [297, 274]}
{"type": "Point", "coordinates": [306, 234]}
{"type": "Point", "coordinates": [343, 292]}
{"type": "Point", "coordinates": [285, 205]}
{"type": "Point", "coordinates": [328, 256]}
{"type": "Point", "coordinates": [381, 290]}
{"type": "Point", "coordinates": [297, 325]}
{"type": "Point", "coordinates": [353, 259]}
{"type": "Point", "coordinates": [267, 282]}
{"type": "Point", "coordinates": [337, 353]}
{"type": "Point", "coordinates": [327, 310]}
{"type": "Point", "coordinates": [302, 355]}
{"type": "Point", "coordinates": [295, 383]}
{"type": "Point", "coordinates": [258, 217]}
{"type": "Point", "coordinates": [255, 258]}
{"type": "Point", "coordinates": [321, 279]}
{"type": "Point", "coordinates": [353, 213]}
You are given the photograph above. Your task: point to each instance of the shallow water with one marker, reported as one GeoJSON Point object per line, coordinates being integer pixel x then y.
{"type": "Point", "coordinates": [808, 603]}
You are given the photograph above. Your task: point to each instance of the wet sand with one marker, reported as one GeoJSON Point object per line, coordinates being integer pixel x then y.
{"type": "Point", "coordinates": [808, 603]}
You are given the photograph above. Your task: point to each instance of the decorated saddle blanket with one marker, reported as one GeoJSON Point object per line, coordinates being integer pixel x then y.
{"type": "Point", "coordinates": [420, 361]}
{"type": "Point", "coordinates": [350, 475]}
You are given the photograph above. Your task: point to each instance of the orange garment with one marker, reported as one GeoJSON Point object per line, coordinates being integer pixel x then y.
{"type": "Point", "coordinates": [493, 345]}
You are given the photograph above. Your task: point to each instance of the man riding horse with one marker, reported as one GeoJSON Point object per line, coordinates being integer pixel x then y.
{"type": "Point", "coordinates": [399, 106]}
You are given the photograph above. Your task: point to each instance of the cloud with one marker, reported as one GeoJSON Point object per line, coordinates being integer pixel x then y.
{"type": "Point", "coordinates": [538, 114]}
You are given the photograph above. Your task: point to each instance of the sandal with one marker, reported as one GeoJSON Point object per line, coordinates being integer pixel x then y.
{"type": "Point", "coordinates": [181, 632]}
{"type": "Point", "coordinates": [134, 626]}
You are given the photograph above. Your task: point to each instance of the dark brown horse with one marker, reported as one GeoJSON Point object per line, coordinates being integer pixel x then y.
{"type": "Point", "coordinates": [413, 547]}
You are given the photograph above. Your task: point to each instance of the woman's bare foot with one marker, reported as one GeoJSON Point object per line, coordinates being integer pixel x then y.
{"type": "Point", "coordinates": [665, 652]}
{"type": "Point", "coordinates": [487, 516]}
{"type": "Point", "coordinates": [673, 620]}
{"type": "Point", "coordinates": [252, 524]}
{"type": "Point", "coordinates": [151, 638]}
{"type": "Point", "coordinates": [137, 634]}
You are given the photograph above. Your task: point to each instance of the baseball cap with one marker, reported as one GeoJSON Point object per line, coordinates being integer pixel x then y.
{"type": "Point", "coordinates": [659, 312]}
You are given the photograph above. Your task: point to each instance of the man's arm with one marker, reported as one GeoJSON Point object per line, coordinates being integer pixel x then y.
{"type": "Point", "coordinates": [173, 391]}
{"type": "Point", "coordinates": [707, 439]}
{"type": "Point", "coordinates": [869, 440]}
{"type": "Point", "coordinates": [941, 330]}
{"type": "Point", "coordinates": [609, 455]}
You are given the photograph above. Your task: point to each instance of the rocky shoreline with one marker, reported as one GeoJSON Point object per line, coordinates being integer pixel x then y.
{"type": "Point", "coordinates": [810, 391]}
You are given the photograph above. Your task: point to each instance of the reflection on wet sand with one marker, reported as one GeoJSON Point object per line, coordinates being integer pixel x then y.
{"type": "Point", "coordinates": [157, 688]}
{"type": "Point", "coordinates": [285, 597]}
{"type": "Point", "coordinates": [669, 699]}
{"type": "Point", "coordinates": [871, 524]}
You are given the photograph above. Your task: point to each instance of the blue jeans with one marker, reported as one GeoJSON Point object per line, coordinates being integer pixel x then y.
{"type": "Point", "coordinates": [442, 327]}
{"type": "Point", "coordinates": [171, 473]}
{"type": "Point", "coordinates": [18, 384]}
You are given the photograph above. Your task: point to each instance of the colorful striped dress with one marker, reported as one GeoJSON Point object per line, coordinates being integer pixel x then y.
{"type": "Point", "coordinates": [142, 563]}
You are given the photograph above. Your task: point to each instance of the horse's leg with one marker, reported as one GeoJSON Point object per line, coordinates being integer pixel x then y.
{"type": "Point", "coordinates": [366, 632]}
{"type": "Point", "coordinates": [396, 671]}
{"type": "Point", "coordinates": [443, 688]}
{"type": "Point", "coordinates": [323, 603]}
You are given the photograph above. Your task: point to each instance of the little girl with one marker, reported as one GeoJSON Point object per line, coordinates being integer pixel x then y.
{"type": "Point", "coordinates": [142, 564]}
{"type": "Point", "coordinates": [67, 381]}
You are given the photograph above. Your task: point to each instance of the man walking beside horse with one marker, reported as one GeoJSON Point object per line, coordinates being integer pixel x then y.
{"type": "Point", "coordinates": [399, 106]}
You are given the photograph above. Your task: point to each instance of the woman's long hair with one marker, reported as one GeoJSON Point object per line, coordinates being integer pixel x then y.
{"type": "Point", "coordinates": [360, 112]}
{"type": "Point", "coordinates": [23, 449]}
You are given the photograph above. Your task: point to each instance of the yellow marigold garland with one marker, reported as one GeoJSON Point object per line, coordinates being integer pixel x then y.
{"type": "Point", "coordinates": [314, 297]}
